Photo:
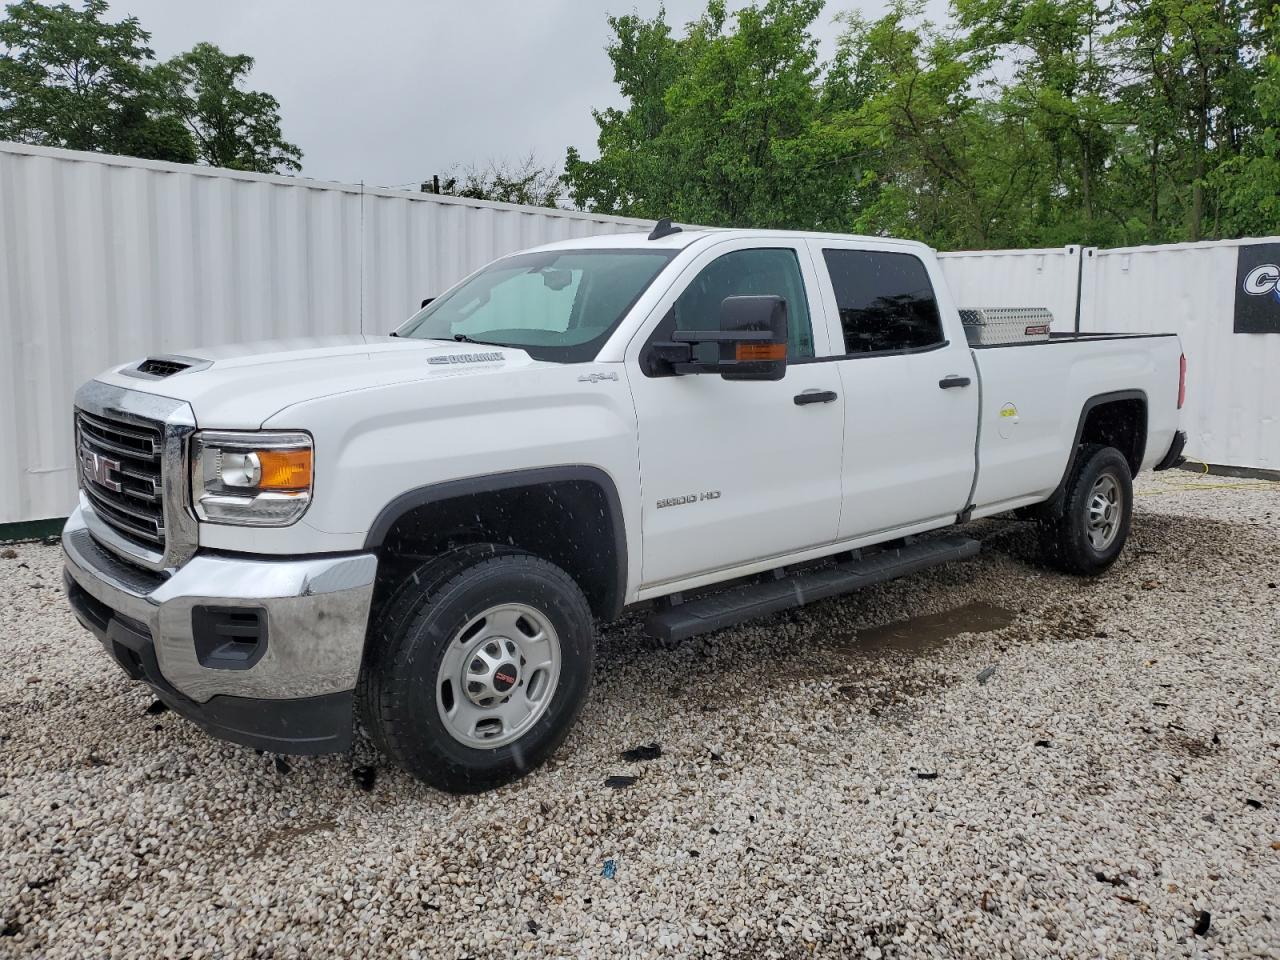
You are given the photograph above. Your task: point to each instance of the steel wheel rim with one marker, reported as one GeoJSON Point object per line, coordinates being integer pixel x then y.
{"type": "Point", "coordinates": [1105, 511]}
{"type": "Point", "coordinates": [498, 676]}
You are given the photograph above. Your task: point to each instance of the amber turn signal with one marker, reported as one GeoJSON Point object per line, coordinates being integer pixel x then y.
{"type": "Point", "coordinates": [285, 469]}
{"type": "Point", "coordinates": [748, 352]}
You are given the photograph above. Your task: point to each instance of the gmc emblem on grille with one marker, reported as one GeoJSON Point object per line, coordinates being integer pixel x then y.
{"type": "Point", "coordinates": [99, 470]}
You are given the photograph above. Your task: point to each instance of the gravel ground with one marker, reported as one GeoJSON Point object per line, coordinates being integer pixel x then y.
{"type": "Point", "coordinates": [832, 782]}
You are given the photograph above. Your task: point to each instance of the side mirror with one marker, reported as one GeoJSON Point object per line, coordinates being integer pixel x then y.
{"type": "Point", "coordinates": [757, 332]}
{"type": "Point", "coordinates": [752, 340]}
{"type": "Point", "coordinates": [426, 302]}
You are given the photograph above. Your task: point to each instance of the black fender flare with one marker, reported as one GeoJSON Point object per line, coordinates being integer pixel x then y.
{"type": "Point", "coordinates": [511, 480]}
{"type": "Point", "coordinates": [1054, 503]}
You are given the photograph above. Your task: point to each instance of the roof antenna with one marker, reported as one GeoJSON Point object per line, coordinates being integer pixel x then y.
{"type": "Point", "coordinates": [663, 228]}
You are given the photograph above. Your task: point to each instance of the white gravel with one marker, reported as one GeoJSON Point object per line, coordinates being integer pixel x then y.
{"type": "Point", "coordinates": [786, 816]}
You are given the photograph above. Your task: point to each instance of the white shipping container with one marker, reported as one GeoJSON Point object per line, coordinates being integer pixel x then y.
{"type": "Point", "coordinates": [1017, 278]}
{"type": "Point", "coordinates": [1232, 415]}
{"type": "Point", "coordinates": [106, 259]}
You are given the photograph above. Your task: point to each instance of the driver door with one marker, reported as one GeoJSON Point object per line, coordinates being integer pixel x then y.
{"type": "Point", "coordinates": [735, 473]}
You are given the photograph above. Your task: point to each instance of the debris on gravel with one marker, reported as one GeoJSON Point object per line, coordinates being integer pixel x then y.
{"type": "Point", "coordinates": [785, 819]}
{"type": "Point", "coordinates": [650, 751]}
{"type": "Point", "coordinates": [365, 777]}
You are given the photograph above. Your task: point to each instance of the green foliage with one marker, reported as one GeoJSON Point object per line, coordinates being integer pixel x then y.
{"type": "Point", "coordinates": [723, 126]}
{"type": "Point", "coordinates": [1248, 183]}
{"type": "Point", "coordinates": [231, 127]}
{"type": "Point", "coordinates": [1022, 123]}
{"type": "Point", "coordinates": [524, 182]}
{"type": "Point", "coordinates": [70, 78]}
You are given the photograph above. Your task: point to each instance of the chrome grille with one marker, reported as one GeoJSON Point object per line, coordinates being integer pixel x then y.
{"type": "Point", "coordinates": [121, 474]}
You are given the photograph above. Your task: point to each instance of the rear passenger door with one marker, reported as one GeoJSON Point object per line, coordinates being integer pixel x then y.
{"type": "Point", "coordinates": [911, 396]}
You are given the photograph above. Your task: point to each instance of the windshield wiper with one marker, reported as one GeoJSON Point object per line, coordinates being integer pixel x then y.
{"type": "Point", "coordinates": [463, 338]}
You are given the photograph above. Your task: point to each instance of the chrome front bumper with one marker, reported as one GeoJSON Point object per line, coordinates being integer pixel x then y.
{"type": "Point", "coordinates": [316, 613]}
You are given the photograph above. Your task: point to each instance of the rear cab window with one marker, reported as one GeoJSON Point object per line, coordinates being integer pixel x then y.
{"type": "Point", "coordinates": [885, 301]}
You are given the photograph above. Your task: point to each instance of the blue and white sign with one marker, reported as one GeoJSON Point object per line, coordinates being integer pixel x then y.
{"type": "Point", "coordinates": [1258, 289]}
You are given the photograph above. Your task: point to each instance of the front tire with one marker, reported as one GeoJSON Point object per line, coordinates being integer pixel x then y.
{"type": "Point", "coordinates": [1087, 537]}
{"type": "Point", "coordinates": [478, 667]}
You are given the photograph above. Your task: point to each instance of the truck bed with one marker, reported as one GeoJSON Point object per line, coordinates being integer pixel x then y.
{"type": "Point", "coordinates": [1034, 400]}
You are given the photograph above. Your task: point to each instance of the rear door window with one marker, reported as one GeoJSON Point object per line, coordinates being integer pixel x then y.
{"type": "Point", "coordinates": [886, 301]}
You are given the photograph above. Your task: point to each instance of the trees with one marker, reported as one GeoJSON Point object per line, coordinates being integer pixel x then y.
{"type": "Point", "coordinates": [68, 78]}
{"type": "Point", "coordinates": [630, 176]}
{"type": "Point", "coordinates": [231, 127]}
{"type": "Point", "coordinates": [1056, 81]}
{"type": "Point", "coordinates": [1247, 185]}
{"type": "Point", "coordinates": [1191, 67]}
{"type": "Point", "coordinates": [524, 181]}
{"type": "Point", "coordinates": [721, 125]}
{"type": "Point", "coordinates": [71, 78]}
{"type": "Point", "coordinates": [940, 164]}
{"type": "Point", "coordinates": [1019, 122]}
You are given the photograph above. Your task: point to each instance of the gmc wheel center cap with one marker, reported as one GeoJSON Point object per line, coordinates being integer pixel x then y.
{"type": "Point", "coordinates": [492, 671]}
{"type": "Point", "coordinates": [505, 676]}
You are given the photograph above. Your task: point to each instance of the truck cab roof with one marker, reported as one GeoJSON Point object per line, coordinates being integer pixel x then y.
{"type": "Point", "coordinates": [691, 236]}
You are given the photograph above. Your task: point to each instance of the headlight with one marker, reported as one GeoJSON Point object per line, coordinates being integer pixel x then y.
{"type": "Point", "coordinates": [252, 479]}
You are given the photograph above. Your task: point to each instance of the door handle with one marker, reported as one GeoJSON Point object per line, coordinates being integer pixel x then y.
{"type": "Point", "coordinates": [947, 383]}
{"type": "Point", "coordinates": [814, 396]}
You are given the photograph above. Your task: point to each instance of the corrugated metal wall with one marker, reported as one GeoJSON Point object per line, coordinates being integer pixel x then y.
{"type": "Point", "coordinates": [1017, 278]}
{"type": "Point", "coordinates": [108, 258]}
{"type": "Point", "coordinates": [1232, 414]}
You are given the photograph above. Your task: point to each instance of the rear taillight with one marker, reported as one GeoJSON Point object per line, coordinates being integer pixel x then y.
{"type": "Point", "coordinates": [1182, 381]}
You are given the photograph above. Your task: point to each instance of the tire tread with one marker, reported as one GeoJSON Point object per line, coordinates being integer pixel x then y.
{"type": "Point", "coordinates": [1062, 538]}
{"type": "Point", "coordinates": [385, 701]}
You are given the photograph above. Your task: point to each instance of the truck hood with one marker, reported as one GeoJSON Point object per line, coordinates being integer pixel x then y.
{"type": "Point", "coordinates": [242, 385]}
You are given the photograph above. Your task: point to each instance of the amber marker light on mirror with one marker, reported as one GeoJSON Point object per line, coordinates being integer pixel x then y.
{"type": "Point", "coordinates": [749, 352]}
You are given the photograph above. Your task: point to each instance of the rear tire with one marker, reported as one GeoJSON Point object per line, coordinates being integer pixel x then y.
{"type": "Point", "coordinates": [1088, 535]}
{"type": "Point", "coordinates": [477, 668]}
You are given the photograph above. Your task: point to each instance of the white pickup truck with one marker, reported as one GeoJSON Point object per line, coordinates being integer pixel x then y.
{"type": "Point", "coordinates": [418, 532]}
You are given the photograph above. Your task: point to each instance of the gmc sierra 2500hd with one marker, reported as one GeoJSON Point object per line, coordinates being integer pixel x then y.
{"type": "Point", "coordinates": [418, 531]}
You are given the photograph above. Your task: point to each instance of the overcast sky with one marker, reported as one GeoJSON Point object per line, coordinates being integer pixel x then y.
{"type": "Point", "coordinates": [392, 91]}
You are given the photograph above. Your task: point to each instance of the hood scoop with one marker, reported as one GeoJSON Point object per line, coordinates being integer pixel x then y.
{"type": "Point", "coordinates": [165, 365]}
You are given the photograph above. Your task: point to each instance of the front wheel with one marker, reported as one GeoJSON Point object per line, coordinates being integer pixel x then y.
{"type": "Point", "coordinates": [478, 667]}
{"type": "Point", "coordinates": [1097, 510]}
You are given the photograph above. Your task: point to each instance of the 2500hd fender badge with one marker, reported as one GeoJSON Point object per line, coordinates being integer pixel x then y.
{"type": "Point", "coordinates": [690, 498]}
{"type": "Point", "coordinates": [466, 357]}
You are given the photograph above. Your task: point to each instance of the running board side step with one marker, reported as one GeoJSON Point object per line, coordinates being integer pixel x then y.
{"type": "Point", "coordinates": [747, 601]}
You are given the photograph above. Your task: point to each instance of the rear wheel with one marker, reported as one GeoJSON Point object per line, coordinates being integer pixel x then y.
{"type": "Point", "coordinates": [478, 666]}
{"type": "Point", "coordinates": [1087, 537]}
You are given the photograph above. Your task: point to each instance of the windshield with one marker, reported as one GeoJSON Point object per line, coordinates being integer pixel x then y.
{"type": "Point", "coordinates": [560, 305]}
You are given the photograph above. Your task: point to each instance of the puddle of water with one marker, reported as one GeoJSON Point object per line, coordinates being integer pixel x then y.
{"type": "Point", "coordinates": [922, 633]}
